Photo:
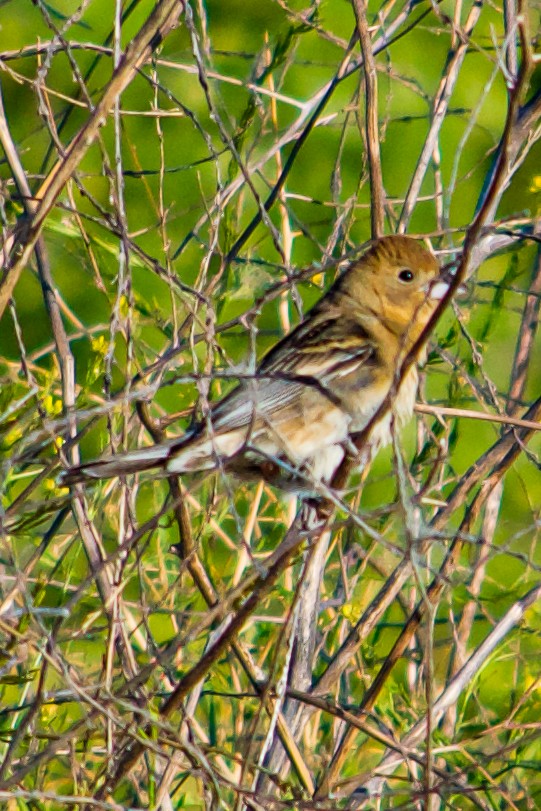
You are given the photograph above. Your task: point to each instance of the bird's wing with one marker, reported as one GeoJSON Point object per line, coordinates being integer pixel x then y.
{"type": "Point", "coordinates": [314, 356]}
{"type": "Point", "coordinates": [264, 395]}
{"type": "Point", "coordinates": [324, 347]}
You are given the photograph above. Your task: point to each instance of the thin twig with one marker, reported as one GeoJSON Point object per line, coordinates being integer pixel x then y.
{"type": "Point", "coordinates": [158, 24]}
{"type": "Point", "coordinates": [377, 210]}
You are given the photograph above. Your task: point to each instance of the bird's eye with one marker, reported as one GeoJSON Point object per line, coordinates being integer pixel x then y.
{"type": "Point", "coordinates": [406, 275]}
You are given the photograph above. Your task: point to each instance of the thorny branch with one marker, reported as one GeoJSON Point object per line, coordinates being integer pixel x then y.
{"type": "Point", "coordinates": [308, 704]}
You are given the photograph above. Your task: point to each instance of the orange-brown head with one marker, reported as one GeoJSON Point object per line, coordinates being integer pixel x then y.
{"type": "Point", "coordinates": [397, 283]}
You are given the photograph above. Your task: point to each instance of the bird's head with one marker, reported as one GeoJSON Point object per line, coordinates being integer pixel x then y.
{"type": "Point", "coordinates": [397, 281]}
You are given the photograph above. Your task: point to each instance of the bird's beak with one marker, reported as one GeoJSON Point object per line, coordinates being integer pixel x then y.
{"type": "Point", "coordinates": [438, 289]}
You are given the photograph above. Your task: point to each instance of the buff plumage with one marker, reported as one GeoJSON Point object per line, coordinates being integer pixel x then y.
{"type": "Point", "coordinates": [322, 382]}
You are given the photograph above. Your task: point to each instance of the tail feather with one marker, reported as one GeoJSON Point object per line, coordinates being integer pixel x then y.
{"type": "Point", "coordinates": [191, 453]}
{"type": "Point", "coordinates": [121, 465]}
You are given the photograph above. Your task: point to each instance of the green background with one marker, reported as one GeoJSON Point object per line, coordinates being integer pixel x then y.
{"type": "Point", "coordinates": [121, 320]}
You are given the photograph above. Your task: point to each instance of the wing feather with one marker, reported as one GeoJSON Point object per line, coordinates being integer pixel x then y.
{"type": "Point", "coordinates": [310, 359]}
{"type": "Point", "coordinates": [313, 356]}
{"type": "Point", "coordinates": [263, 396]}
{"type": "Point", "coordinates": [323, 347]}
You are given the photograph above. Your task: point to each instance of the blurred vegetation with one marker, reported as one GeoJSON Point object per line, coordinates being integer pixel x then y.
{"type": "Point", "coordinates": [137, 246]}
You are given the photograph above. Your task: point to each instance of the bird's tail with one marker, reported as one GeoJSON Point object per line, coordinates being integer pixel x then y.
{"type": "Point", "coordinates": [121, 465]}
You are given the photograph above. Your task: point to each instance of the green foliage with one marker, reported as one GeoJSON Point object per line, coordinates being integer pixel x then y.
{"type": "Point", "coordinates": [100, 621]}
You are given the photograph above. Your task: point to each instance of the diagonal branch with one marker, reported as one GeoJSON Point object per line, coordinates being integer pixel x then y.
{"type": "Point", "coordinates": [19, 248]}
{"type": "Point", "coordinates": [457, 685]}
{"type": "Point", "coordinates": [439, 112]}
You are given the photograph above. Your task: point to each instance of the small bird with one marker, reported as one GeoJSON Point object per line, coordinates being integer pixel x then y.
{"type": "Point", "coordinates": [290, 424]}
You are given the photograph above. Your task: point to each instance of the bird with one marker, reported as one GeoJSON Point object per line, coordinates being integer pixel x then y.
{"type": "Point", "coordinates": [291, 423]}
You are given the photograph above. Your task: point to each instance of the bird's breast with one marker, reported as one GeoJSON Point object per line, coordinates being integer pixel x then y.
{"type": "Point", "coordinates": [367, 402]}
